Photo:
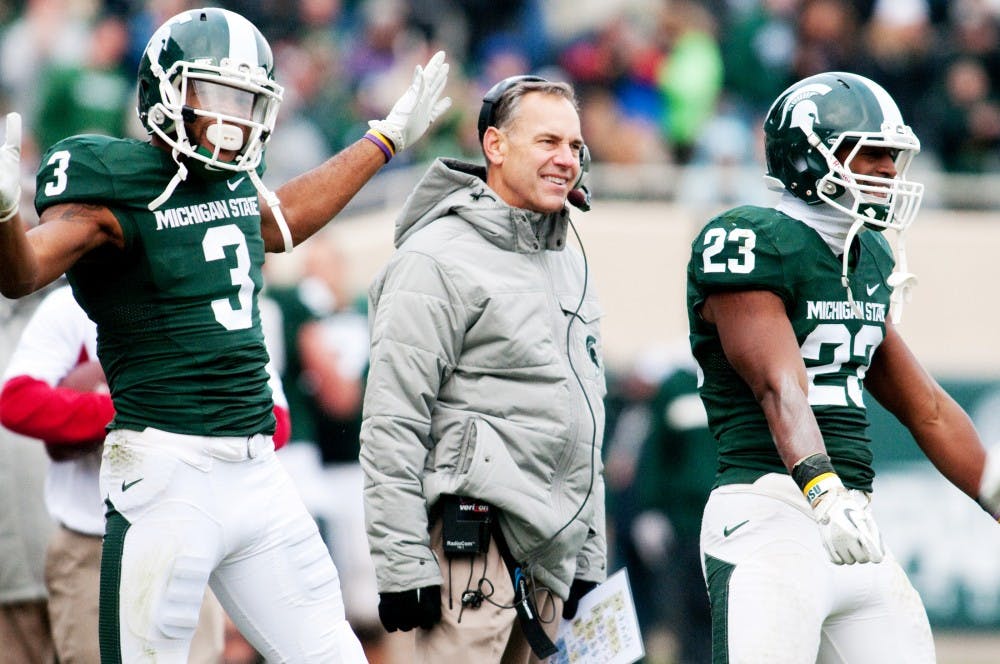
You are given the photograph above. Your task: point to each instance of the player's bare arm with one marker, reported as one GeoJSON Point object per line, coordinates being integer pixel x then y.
{"type": "Point", "coordinates": [312, 199]}
{"type": "Point", "coordinates": [36, 258]}
{"type": "Point", "coordinates": [939, 425]}
{"type": "Point", "coordinates": [758, 340]}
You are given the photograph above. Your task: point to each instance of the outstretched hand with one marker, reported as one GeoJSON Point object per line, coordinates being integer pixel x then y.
{"type": "Point", "coordinates": [419, 106]}
{"type": "Point", "coordinates": [10, 168]}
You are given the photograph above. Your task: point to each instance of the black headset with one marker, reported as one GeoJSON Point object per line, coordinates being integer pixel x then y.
{"type": "Point", "coordinates": [580, 196]}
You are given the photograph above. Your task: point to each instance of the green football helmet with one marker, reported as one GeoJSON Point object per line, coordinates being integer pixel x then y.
{"type": "Point", "coordinates": [812, 119]}
{"type": "Point", "coordinates": [210, 63]}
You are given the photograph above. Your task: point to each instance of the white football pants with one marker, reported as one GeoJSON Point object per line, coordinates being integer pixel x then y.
{"type": "Point", "coordinates": [184, 511]}
{"type": "Point", "coordinates": [777, 598]}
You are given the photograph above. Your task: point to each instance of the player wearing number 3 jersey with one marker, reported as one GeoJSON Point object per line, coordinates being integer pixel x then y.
{"type": "Point", "coordinates": [163, 242]}
{"type": "Point", "coordinates": [792, 312]}
{"type": "Point", "coordinates": [202, 254]}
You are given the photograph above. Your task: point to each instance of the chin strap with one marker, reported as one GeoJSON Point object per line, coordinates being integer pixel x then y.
{"type": "Point", "coordinates": [275, 204]}
{"type": "Point", "coordinates": [851, 234]}
{"type": "Point", "coordinates": [179, 176]}
{"type": "Point", "coordinates": [269, 197]}
{"type": "Point", "coordinates": [901, 281]}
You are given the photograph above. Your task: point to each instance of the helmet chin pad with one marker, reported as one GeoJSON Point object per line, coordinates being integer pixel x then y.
{"type": "Point", "coordinates": [225, 136]}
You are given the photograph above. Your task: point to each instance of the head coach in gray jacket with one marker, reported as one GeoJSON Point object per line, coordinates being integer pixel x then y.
{"type": "Point", "coordinates": [483, 412]}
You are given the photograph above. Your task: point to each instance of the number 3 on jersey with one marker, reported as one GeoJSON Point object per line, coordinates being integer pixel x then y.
{"type": "Point", "coordinates": [715, 241]}
{"type": "Point", "coordinates": [214, 245]}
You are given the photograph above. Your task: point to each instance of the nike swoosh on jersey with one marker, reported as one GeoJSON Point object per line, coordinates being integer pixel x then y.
{"type": "Point", "coordinates": [232, 185]}
{"type": "Point", "coordinates": [871, 289]}
{"type": "Point", "coordinates": [727, 531]}
{"type": "Point", "coordinates": [128, 485]}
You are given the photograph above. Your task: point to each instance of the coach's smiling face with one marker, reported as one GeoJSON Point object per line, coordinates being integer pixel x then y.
{"type": "Point", "coordinates": [535, 161]}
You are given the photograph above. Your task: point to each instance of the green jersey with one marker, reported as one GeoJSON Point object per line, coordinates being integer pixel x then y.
{"type": "Point", "coordinates": [752, 248]}
{"type": "Point", "coordinates": [178, 326]}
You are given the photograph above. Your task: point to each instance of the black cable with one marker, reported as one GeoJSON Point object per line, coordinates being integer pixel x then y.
{"type": "Point", "coordinates": [593, 416]}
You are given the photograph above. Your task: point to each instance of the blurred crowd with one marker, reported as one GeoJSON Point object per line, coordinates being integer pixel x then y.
{"type": "Point", "coordinates": [665, 81]}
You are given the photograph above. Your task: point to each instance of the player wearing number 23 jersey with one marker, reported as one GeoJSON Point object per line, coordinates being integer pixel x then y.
{"type": "Point", "coordinates": [753, 248]}
{"type": "Point", "coordinates": [792, 314]}
{"type": "Point", "coordinates": [177, 305]}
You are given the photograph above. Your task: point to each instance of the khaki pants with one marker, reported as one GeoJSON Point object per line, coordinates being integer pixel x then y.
{"type": "Point", "coordinates": [488, 633]}
{"type": "Point", "coordinates": [72, 576]}
{"type": "Point", "coordinates": [24, 634]}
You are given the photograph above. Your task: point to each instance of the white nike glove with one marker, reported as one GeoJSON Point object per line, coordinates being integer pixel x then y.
{"type": "Point", "coordinates": [989, 483]}
{"type": "Point", "coordinates": [10, 168]}
{"type": "Point", "coordinates": [419, 106]}
{"type": "Point", "coordinates": [848, 529]}
{"type": "Point", "coordinates": [846, 525]}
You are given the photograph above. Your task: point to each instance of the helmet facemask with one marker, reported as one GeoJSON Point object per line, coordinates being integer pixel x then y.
{"type": "Point", "coordinates": [241, 104]}
{"type": "Point", "coordinates": [874, 201]}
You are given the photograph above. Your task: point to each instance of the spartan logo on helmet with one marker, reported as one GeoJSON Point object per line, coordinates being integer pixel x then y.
{"type": "Point", "coordinates": [803, 111]}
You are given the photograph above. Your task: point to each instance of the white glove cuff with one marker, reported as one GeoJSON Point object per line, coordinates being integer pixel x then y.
{"type": "Point", "coordinates": [989, 484]}
{"type": "Point", "coordinates": [390, 131]}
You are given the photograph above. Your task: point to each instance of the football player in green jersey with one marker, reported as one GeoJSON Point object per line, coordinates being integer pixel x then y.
{"type": "Point", "coordinates": [789, 317]}
{"type": "Point", "coordinates": [163, 241]}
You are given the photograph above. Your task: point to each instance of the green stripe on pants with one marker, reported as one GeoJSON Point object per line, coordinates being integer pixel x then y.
{"type": "Point", "coordinates": [111, 573]}
{"type": "Point", "coordinates": [718, 573]}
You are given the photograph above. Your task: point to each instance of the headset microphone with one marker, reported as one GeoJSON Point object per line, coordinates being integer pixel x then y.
{"type": "Point", "coordinates": [579, 197]}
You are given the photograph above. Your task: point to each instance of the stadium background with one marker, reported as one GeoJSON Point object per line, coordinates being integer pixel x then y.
{"type": "Point", "coordinates": [672, 93]}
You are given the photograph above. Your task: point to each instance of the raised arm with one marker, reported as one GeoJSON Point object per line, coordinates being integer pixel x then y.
{"type": "Point", "coordinates": [312, 199]}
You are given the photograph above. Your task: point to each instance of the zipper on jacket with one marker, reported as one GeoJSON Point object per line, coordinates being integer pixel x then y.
{"type": "Point", "coordinates": [468, 448]}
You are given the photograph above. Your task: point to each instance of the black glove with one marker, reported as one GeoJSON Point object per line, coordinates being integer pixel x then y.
{"type": "Point", "coordinates": [579, 588]}
{"type": "Point", "coordinates": [420, 607]}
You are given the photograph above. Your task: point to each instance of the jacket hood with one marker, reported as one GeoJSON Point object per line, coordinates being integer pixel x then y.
{"type": "Point", "coordinates": [451, 187]}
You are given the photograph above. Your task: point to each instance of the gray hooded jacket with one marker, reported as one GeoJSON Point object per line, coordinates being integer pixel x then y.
{"type": "Point", "coordinates": [486, 380]}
